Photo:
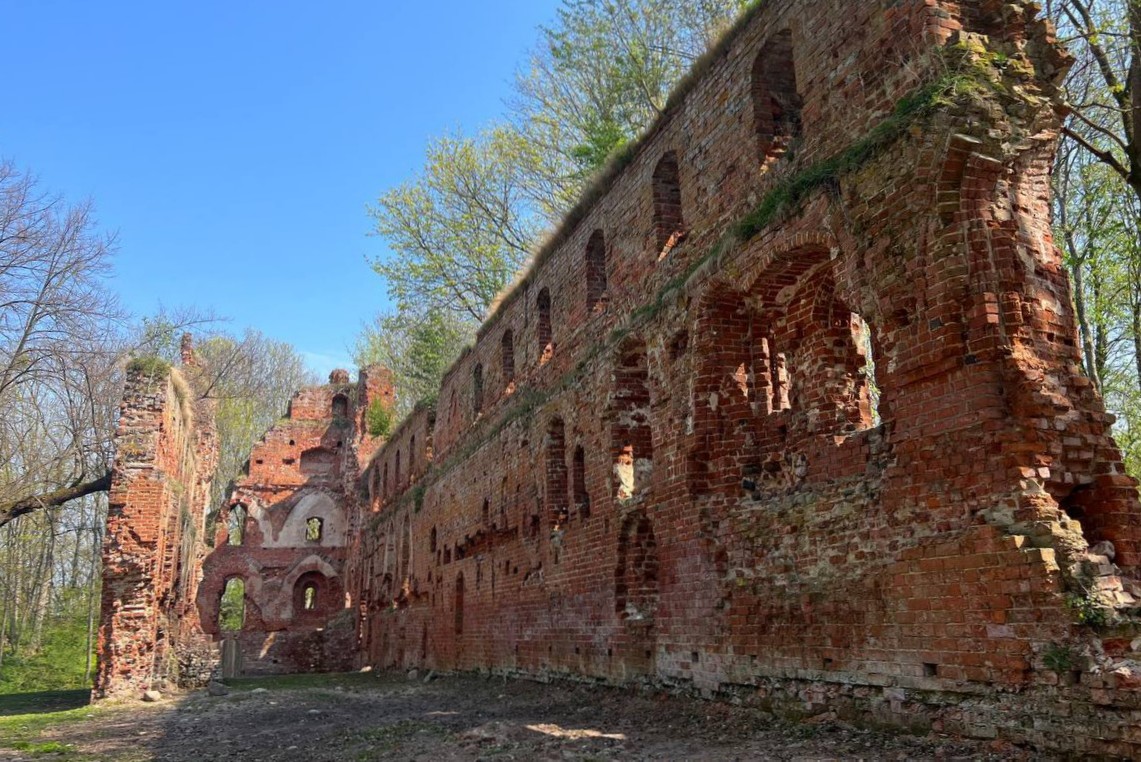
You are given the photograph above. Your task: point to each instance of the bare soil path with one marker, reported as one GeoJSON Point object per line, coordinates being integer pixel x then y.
{"type": "Point", "coordinates": [392, 717]}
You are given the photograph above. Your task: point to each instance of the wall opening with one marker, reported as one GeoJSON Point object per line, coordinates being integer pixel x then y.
{"type": "Point", "coordinates": [507, 357]}
{"type": "Point", "coordinates": [232, 609]}
{"type": "Point", "coordinates": [546, 337]}
{"type": "Point", "coordinates": [595, 271]}
{"type": "Point", "coordinates": [459, 613]}
{"type": "Point", "coordinates": [868, 388]}
{"type": "Point", "coordinates": [636, 577]}
{"type": "Point", "coordinates": [318, 461]}
{"type": "Point", "coordinates": [236, 524]}
{"type": "Point", "coordinates": [578, 479]}
{"type": "Point", "coordinates": [485, 513]}
{"type": "Point", "coordinates": [406, 549]}
{"type": "Point", "coordinates": [340, 406]}
{"type": "Point", "coordinates": [669, 223]}
{"type": "Point", "coordinates": [384, 481]}
{"type": "Point", "coordinates": [432, 541]}
{"type": "Point", "coordinates": [396, 471]}
{"type": "Point", "coordinates": [311, 593]}
{"type": "Point", "coordinates": [557, 473]}
{"type": "Point", "coordinates": [314, 529]}
{"type": "Point", "coordinates": [477, 389]}
{"type": "Point", "coordinates": [631, 445]}
{"type": "Point", "coordinates": [776, 102]}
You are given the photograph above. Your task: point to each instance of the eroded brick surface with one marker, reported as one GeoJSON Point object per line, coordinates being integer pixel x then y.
{"type": "Point", "coordinates": [166, 453]}
{"type": "Point", "coordinates": [837, 458]}
{"type": "Point", "coordinates": [675, 467]}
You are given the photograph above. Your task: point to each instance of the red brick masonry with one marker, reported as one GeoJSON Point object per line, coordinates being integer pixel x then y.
{"type": "Point", "coordinates": [789, 411]}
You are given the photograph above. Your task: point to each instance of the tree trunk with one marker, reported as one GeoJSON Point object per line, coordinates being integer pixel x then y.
{"type": "Point", "coordinates": [1086, 334]}
{"type": "Point", "coordinates": [17, 508]}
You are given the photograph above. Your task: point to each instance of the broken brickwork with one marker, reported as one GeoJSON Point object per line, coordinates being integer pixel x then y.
{"type": "Point", "coordinates": [166, 453]}
{"type": "Point", "coordinates": [285, 532]}
{"type": "Point", "coordinates": [790, 409]}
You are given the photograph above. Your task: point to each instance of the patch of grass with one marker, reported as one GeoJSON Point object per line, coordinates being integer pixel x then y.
{"type": "Point", "coordinates": [22, 731]}
{"type": "Point", "coordinates": [49, 747]}
{"type": "Point", "coordinates": [149, 365]}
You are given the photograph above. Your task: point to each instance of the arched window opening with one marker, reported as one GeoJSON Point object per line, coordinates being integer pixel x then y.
{"type": "Point", "coordinates": [595, 271]}
{"type": "Point", "coordinates": [632, 446]}
{"type": "Point", "coordinates": [578, 479]}
{"type": "Point", "coordinates": [507, 355]}
{"type": "Point", "coordinates": [312, 593]}
{"type": "Point", "coordinates": [340, 406]}
{"type": "Point", "coordinates": [232, 609]}
{"type": "Point", "coordinates": [406, 549]}
{"type": "Point", "coordinates": [314, 528]}
{"type": "Point", "coordinates": [236, 525]}
{"type": "Point", "coordinates": [412, 457]}
{"type": "Point", "coordinates": [477, 389]}
{"type": "Point", "coordinates": [546, 338]}
{"type": "Point", "coordinates": [776, 103]}
{"type": "Point", "coordinates": [636, 576]}
{"type": "Point", "coordinates": [669, 224]}
{"type": "Point", "coordinates": [486, 512]}
{"type": "Point", "coordinates": [459, 614]}
{"type": "Point", "coordinates": [396, 471]}
{"type": "Point", "coordinates": [384, 481]}
{"type": "Point", "coordinates": [779, 379]}
{"type": "Point", "coordinates": [557, 473]}
{"type": "Point", "coordinates": [432, 540]}
{"type": "Point", "coordinates": [310, 597]}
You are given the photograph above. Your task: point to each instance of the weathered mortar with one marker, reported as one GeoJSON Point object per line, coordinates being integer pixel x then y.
{"type": "Point", "coordinates": [680, 481]}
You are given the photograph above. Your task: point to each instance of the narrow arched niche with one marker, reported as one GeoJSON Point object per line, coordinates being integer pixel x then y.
{"type": "Point", "coordinates": [595, 271]}
{"type": "Point", "coordinates": [545, 334]}
{"type": "Point", "coordinates": [777, 103]}
{"type": "Point", "coordinates": [669, 220]}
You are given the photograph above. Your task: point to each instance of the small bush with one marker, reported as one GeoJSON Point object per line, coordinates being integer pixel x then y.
{"type": "Point", "coordinates": [1089, 610]}
{"type": "Point", "coordinates": [379, 419]}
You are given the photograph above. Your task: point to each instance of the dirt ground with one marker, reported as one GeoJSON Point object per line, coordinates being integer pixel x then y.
{"type": "Point", "coordinates": [393, 717]}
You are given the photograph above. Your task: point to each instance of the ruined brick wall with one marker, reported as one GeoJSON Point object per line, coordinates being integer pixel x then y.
{"type": "Point", "coordinates": [165, 459]}
{"type": "Point", "coordinates": [791, 408]}
{"type": "Point", "coordinates": [305, 469]}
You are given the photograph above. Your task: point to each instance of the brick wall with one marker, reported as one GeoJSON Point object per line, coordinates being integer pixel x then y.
{"type": "Point", "coordinates": [296, 614]}
{"type": "Point", "coordinates": [846, 461]}
{"type": "Point", "coordinates": [165, 459]}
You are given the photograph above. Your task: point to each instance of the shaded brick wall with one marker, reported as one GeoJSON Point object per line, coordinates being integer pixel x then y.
{"type": "Point", "coordinates": [296, 615]}
{"type": "Point", "coordinates": [845, 462]}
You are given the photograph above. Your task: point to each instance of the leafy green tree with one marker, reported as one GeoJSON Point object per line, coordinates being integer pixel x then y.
{"type": "Point", "coordinates": [599, 76]}
{"type": "Point", "coordinates": [1097, 199]}
{"type": "Point", "coordinates": [418, 348]}
{"type": "Point", "coordinates": [252, 379]}
{"type": "Point", "coordinates": [460, 231]}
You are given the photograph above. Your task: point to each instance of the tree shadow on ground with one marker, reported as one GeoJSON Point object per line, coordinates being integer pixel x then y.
{"type": "Point", "coordinates": [43, 702]}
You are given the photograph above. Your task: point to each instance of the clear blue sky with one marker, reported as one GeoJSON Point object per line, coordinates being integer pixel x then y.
{"type": "Point", "coordinates": [233, 145]}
